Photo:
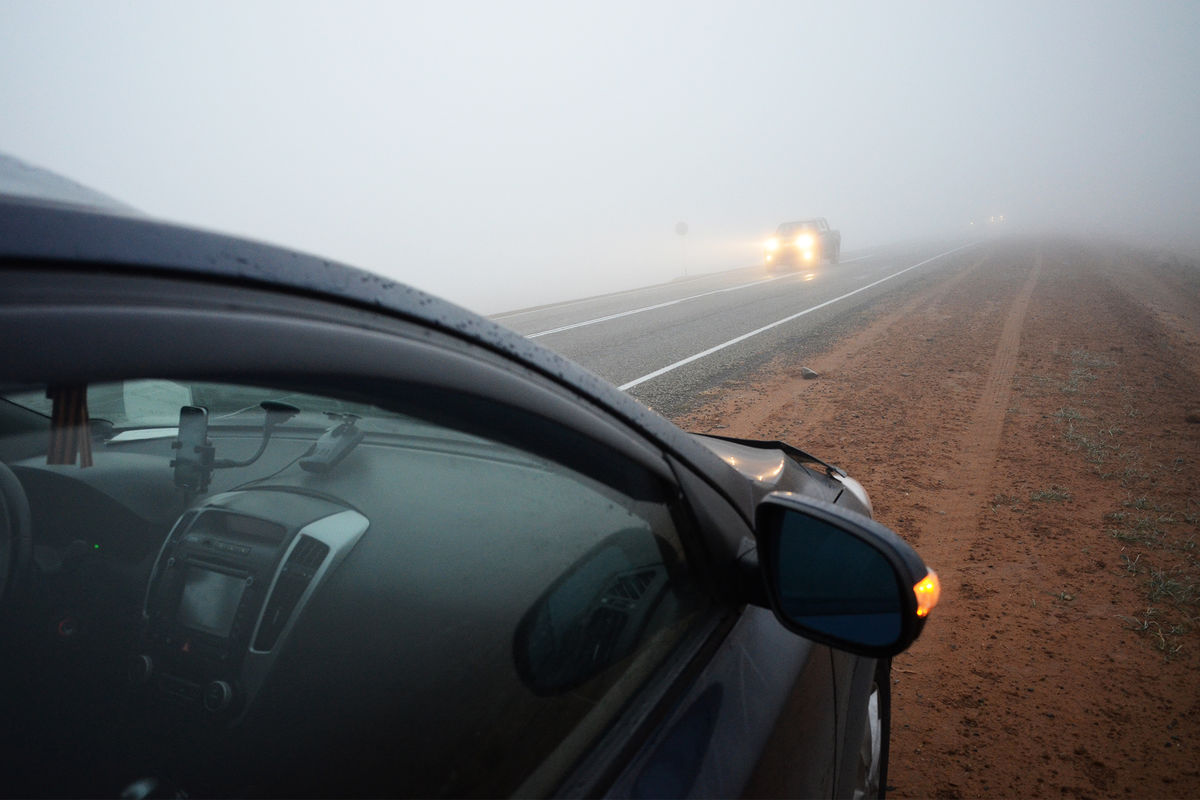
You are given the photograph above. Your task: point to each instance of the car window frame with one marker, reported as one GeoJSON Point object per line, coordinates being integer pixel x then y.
{"type": "Point", "coordinates": [226, 331]}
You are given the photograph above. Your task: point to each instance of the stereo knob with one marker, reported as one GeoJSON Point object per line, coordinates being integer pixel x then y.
{"type": "Point", "coordinates": [141, 669]}
{"type": "Point", "coordinates": [217, 696]}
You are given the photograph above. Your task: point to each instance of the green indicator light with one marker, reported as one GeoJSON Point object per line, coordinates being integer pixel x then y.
{"type": "Point", "coordinates": [95, 547]}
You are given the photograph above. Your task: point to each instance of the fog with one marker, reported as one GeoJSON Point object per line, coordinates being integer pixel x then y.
{"type": "Point", "coordinates": [509, 154]}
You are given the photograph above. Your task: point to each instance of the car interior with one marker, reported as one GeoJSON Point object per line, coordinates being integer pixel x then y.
{"type": "Point", "coordinates": [226, 589]}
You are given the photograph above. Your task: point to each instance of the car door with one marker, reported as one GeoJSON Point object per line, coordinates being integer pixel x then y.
{"type": "Point", "coordinates": [535, 602]}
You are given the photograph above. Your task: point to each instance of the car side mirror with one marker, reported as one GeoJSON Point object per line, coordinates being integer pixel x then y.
{"type": "Point", "coordinates": [842, 579]}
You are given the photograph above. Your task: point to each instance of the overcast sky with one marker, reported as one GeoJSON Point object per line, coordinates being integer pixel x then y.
{"type": "Point", "coordinates": [505, 154]}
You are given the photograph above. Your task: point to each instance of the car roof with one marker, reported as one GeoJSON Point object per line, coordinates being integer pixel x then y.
{"type": "Point", "coordinates": [814, 221]}
{"type": "Point", "coordinates": [61, 225]}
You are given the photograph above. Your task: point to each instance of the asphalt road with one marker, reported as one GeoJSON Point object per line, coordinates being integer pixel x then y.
{"type": "Point", "coordinates": [664, 344]}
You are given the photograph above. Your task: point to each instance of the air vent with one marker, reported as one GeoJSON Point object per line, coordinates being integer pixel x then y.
{"type": "Point", "coordinates": [308, 555]}
{"type": "Point", "coordinates": [627, 589]}
{"type": "Point", "coordinates": [633, 586]}
{"type": "Point", "coordinates": [306, 558]}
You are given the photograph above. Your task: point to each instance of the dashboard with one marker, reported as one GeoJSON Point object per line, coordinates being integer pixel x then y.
{"type": "Point", "coordinates": [244, 639]}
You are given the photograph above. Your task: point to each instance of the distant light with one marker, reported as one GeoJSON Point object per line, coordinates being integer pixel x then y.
{"type": "Point", "coordinates": [772, 244]}
{"type": "Point", "coordinates": [805, 240]}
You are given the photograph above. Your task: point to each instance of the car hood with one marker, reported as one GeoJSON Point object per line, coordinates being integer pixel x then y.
{"type": "Point", "coordinates": [778, 467]}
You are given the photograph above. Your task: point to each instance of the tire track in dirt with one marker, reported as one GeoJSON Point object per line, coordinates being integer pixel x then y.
{"type": "Point", "coordinates": [981, 442]}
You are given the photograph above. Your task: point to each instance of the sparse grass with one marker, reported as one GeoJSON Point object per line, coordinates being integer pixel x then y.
{"type": "Point", "coordinates": [1130, 409]}
{"type": "Point", "coordinates": [1055, 494]}
{"type": "Point", "coordinates": [1158, 532]}
{"type": "Point", "coordinates": [1164, 638]}
{"type": "Point", "coordinates": [1077, 377]}
{"type": "Point", "coordinates": [1005, 501]}
{"type": "Point", "coordinates": [1143, 529]}
{"type": "Point", "coordinates": [1083, 358]}
{"type": "Point", "coordinates": [1083, 366]}
{"type": "Point", "coordinates": [1146, 623]}
{"type": "Point", "coordinates": [1094, 450]}
{"type": "Point", "coordinates": [1131, 476]}
{"type": "Point", "coordinates": [1192, 514]}
{"type": "Point", "coordinates": [1174, 586]}
{"type": "Point", "coordinates": [1165, 558]}
{"type": "Point", "coordinates": [1141, 623]}
{"type": "Point", "coordinates": [1126, 535]}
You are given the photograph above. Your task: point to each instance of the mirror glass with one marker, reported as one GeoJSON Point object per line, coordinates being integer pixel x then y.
{"type": "Point", "coordinates": [832, 582]}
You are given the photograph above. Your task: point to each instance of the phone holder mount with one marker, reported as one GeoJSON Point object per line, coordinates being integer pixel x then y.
{"type": "Point", "coordinates": [197, 456]}
{"type": "Point", "coordinates": [194, 466]}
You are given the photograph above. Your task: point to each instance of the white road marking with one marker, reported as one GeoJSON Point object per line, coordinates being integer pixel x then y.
{"type": "Point", "coordinates": [567, 304]}
{"type": "Point", "coordinates": [627, 386]}
{"type": "Point", "coordinates": [620, 314]}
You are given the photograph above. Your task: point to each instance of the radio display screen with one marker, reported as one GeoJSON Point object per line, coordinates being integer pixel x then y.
{"type": "Point", "coordinates": [210, 601]}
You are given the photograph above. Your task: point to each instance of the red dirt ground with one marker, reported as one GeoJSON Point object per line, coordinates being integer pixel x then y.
{"type": "Point", "coordinates": [1024, 421]}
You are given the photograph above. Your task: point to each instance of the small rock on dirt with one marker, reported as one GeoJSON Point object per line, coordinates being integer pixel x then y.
{"type": "Point", "coordinates": [1194, 416]}
{"type": "Point", "coordinates": [808, 374]}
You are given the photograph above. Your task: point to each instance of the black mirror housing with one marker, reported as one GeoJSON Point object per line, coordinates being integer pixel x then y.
{"type": "Point", "coordinates": [840, 578]}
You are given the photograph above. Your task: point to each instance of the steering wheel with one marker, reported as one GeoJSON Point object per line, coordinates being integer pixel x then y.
{"type": "Point", "coordinates": [16, 532]}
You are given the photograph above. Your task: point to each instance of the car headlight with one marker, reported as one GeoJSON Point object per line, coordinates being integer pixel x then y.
{"type": "Point", "coordinates": [772, 245]}
{"type": "Point", "coordinates": [805, 241]}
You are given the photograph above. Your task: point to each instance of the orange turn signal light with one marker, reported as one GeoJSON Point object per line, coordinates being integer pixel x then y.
{"type": "Point", "coordinates": [928, 590]}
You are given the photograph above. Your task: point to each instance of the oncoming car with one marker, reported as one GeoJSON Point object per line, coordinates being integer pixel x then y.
{"type": "Point", "coordinates": [803, 243]}
{"type": "Point", "coordinates": [275, 526]}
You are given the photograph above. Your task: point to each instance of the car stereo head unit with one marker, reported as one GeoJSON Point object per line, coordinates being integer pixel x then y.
{"type": "Point", "coordinates": [229, 583]}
